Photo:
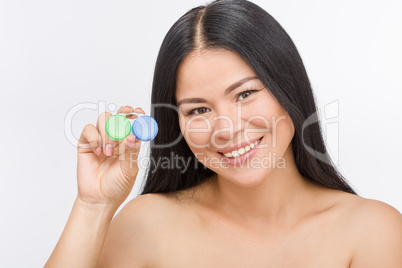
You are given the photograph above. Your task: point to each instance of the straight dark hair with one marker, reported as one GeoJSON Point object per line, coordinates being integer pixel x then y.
{"type": "Point", "coordinates": [249, 31]}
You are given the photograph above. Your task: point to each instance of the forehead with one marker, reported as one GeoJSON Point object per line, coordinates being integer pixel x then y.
{"type": "Point", "coordinates": [208, 71]}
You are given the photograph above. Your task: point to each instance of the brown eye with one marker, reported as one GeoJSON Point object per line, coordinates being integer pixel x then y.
{"type": "Point", "coordinates": [198, 111]}
{"type": "Point", "coordinates": [202, 110]}
{"type": "Point", "coordinates": [246, 94]}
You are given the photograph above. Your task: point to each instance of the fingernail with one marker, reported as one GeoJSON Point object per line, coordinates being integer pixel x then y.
{"type": "Point", "coordinates": [127, 106]}
{"type": "Point", "coordinates": [98, 151]}
{"type": "Point", "coordinates": [131, 139]}
{"type": "Point", "coordinates": [109, 150]}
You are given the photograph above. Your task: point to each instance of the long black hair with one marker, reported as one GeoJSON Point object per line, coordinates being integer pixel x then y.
{"type": "Point", "coordinates": [244, 28]}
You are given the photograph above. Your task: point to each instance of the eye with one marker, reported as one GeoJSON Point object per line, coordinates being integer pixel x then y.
{"type": "Point", "coordinates": [198, 111]}
{"type": "Point", "coordinates": [241, 96]}
{"type": "Point", "coordinates": [246, 93]}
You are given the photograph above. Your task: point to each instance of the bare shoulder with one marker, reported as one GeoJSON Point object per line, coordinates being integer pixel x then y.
{"type": "Point", "coordinates": [151, 205]}
{"type": "Point", "coordinates": [371, 214]}
{"type": "Point", "coordinates": [376, 211]}
{"type": "Point", "coordinates": [376, 232]}
{"type": "Point", "coordinates": [133, 235]}
{"type": "Point", "coordinates": [368, 214]}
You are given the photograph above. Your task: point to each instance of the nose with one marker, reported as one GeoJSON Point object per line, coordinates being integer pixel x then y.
{"type": "Point", "coordinates": [227, 125]}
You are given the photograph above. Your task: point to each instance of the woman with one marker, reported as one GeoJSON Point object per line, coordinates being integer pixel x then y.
{"type": "Point", "coordinates": [251, 184]}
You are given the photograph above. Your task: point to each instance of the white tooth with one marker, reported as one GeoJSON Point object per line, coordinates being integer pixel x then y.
{"type": "Point", "coordinates": [241, 151]}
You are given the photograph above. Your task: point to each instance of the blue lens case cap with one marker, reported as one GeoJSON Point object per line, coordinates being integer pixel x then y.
{"type": "Point", "coordinates": [145, 128]}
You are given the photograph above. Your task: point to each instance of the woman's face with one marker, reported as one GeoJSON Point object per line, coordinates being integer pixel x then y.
{"type": "Point", "coordinates": [224, 108]}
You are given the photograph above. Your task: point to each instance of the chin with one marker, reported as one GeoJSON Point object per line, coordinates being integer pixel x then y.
{"type": "Point", "coordinates": [246, 180]}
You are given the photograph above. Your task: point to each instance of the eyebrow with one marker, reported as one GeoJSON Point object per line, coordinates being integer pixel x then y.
{"type": "Point", "coordinates": [227, 91]}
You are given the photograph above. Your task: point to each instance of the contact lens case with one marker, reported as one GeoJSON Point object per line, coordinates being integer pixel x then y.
{"type": "Point", "coordinates": [144, 127]}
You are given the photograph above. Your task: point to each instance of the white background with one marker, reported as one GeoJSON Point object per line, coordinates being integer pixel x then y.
{"type": "Point", "coordinates": [55, 55]}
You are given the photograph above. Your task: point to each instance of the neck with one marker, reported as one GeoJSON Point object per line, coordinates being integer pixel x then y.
{"type": "Point", "coordinates": [280, 198]}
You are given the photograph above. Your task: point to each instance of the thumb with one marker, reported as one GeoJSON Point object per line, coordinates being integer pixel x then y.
{"type": "Point", "coordinates": [131, 150]}
{"type": "Point", "coordinates": [129, 159]}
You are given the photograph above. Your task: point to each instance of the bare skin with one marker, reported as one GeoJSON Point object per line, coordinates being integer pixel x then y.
{"type": "Point", "coordinates": [187, 229]}
{"type": "Point", "coordinates": [223, 242]}
{"type": "Point", "coordinates": [240, 217]}
{"type": "Point", "coordinates": [249, 216]}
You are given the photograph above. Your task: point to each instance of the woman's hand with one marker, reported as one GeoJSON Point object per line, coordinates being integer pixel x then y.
{"type": "Point", "coordinates": [106, 169]}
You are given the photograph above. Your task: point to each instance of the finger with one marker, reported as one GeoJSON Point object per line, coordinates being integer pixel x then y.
{"type": "Point", "coordinates": [90, 140]}
{"type": "Point", "coordinates": [106, 142]}
{"type": "Point", "coordinates": [139, 110]}
{"type": "Point", "coordinates": [128, 145]}
{"type": "Point", "coordinates": [119, 147]}
{"type": "Point", "coordinates": [129, 142]}
{"type": "Point", "coordinates": [125, 109]}
{"type": "Point", "coordinates": [129, 109]}
{"type": "Point", "coordinates": [111, 149]}
{"type": "Point", "coordinates": [130, 149]}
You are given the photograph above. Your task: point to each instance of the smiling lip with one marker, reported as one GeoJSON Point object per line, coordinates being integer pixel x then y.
{"type": "Point", "coordinates": [235, 148]}
{"type": "Point", "coordinates": [233, 161]}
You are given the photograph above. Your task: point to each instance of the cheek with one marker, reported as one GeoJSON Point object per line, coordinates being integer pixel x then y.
{"type": "Point", "coordinates": [267, 114]}
{"type": "Point", "coordinates": [280, 134]}
{"type": "Point", "coordinates": [196, 132]}
{"type": "Point", "coordinates": [260, 115]}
